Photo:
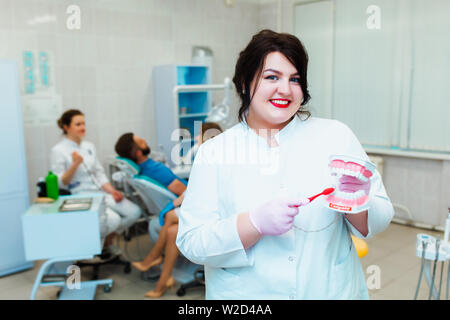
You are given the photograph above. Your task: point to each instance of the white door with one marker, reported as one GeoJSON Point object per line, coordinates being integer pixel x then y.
{"type": "Point", "coordinates": [14, 199]}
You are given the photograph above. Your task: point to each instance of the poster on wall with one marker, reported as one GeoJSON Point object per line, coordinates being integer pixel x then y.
{"type": "Point", "coordinates": [41, 109]}
{"type": "Point", "coordinates": [41, 104]}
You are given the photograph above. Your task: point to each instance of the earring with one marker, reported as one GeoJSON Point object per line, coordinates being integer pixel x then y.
{"type": "Point", "coordinates": [243, 91]}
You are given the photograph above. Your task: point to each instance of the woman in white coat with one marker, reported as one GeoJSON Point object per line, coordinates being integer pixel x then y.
{"type": "Point", "coordinates": [75, 162]}
{"type": "Point", "coordinates": [245, 215]}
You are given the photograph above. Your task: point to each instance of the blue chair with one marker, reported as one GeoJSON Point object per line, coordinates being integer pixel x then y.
{"type": "Point", "coordinates": [154, 197]}
{"type": "Point", "coordinates": [150, 192]}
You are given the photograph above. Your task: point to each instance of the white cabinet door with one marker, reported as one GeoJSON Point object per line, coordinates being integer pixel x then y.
{"type": "Point", "coordinates": [14, 199]}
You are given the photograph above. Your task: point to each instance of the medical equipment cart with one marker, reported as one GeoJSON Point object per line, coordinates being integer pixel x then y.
{"type": "Point", "coordinates": [63, 238]}
{"type": "Point", "coordinates": [433, 250]}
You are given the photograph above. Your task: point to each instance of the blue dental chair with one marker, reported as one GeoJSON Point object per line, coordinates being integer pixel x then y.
{"type": "Point", "coordinates": [154, 197]}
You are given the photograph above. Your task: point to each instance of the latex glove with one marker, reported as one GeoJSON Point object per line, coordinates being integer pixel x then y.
{"type": "Point", "coordinates": [353, 184]}
{"type": "Point", "coordinates": [276, 216]}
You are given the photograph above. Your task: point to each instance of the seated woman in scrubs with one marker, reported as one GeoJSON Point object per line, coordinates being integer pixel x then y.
{"type": "Point", "coordinates": [75, 162]}
{"type": "Point", "coordinates": [135, 148]}
{"type": "Point", "coordinates": [245, 216]}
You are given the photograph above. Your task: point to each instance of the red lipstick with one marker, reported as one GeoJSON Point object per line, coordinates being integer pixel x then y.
{"type": "Point", "coordinates": [280, 103]}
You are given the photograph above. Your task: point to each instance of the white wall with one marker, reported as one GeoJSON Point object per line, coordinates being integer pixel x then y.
{"type": "Point", "coordinates": [105, 68]}
{"type": "Point", "coordinates": [419, 184]}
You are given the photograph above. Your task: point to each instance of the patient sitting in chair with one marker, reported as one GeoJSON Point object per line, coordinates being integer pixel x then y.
{"type": "Point", "coordinates": [135, 148]}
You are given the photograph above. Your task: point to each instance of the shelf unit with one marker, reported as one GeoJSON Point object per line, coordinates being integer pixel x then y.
{"type": "Point", "coordinates": [179, 104]}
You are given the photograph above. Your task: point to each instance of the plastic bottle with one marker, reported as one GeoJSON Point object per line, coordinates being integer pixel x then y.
{"type": "Point", "coordinates": [51, 184]}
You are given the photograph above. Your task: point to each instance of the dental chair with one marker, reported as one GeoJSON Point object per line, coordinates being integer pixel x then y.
{"type": "Point", "coordinates": [154, 197]}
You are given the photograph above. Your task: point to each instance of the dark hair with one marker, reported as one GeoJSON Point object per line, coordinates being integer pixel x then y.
{"type": "Point", "coordinates": [66, 118]}
{"type": "Point", "coordinates": [251, 61]}
{"type": "Point", "coordinates": [214, 127]}
{"type": "Point", "coordinates": [126, 147]}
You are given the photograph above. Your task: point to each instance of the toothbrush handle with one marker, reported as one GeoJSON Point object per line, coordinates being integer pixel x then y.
{"type": "Point", "coordinates": [313, 197]}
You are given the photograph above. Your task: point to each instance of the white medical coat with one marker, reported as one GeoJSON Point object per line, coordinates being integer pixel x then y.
{"type": "Point", "coordinates": [237, 171]}
{"type": "Point", "coordinates": [82, 181]}
{"type": "Point", "coordinates": [89, 178]}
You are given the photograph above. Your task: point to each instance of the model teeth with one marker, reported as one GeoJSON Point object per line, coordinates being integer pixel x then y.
{"type": "Point", "coordinates": [339, 168]}
{"type": "Point", "coordinates": [359, 194]}
{"type": "Point", "coordinates": [355, 199]}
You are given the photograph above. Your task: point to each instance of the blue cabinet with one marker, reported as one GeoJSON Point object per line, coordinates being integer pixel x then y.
{"type": "Point", "coordinates": [177, 106]}
{"type": "Point", "coordinates": [14, 198]}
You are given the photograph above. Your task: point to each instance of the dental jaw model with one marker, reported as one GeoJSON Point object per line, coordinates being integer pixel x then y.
{"type": "Point", "coordinates": [357, 171]}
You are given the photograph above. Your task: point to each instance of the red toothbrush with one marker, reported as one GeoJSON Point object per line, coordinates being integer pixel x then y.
{"type": "Point", "coordinates": [324, 192]}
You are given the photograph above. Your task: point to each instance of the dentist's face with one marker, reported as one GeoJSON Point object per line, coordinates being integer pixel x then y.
{"type": "Point", "coordinates": [277, 95]}
{"type": "Point", "coordinates": [77, 127]}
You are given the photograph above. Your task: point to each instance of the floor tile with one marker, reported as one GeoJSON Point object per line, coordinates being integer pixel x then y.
{"type": "Point", "coordinates": [393, 251]}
